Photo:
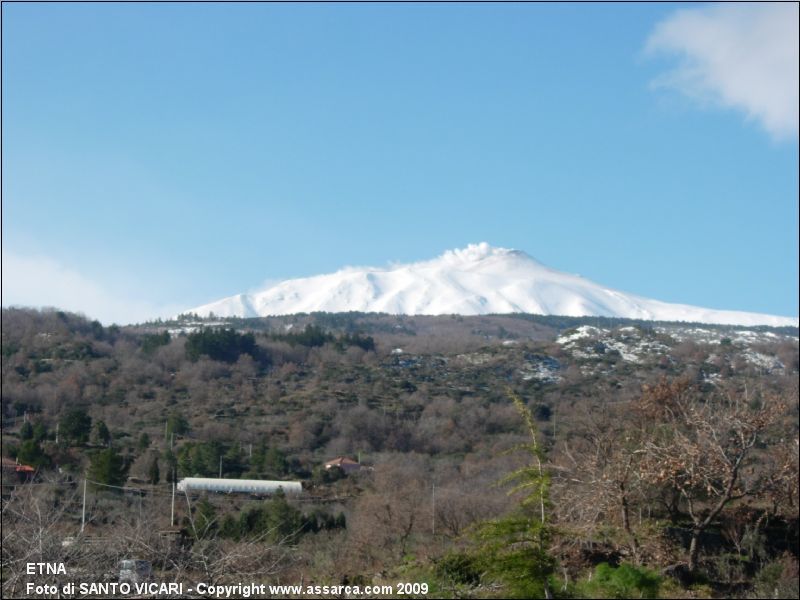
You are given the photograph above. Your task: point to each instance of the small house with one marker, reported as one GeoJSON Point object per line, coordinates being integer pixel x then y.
{"type": "Point", "coordinates": [13, 472]}
{"type": "Point", "coordinates": [347, 465]}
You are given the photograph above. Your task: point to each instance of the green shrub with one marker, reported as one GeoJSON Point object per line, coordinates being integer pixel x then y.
{"type": "Point", "coordinates": [625, 581]}
{"type": "Point", "coordinates": [778, 579]}
{"type": "Point", "coordinates": [459, 568]}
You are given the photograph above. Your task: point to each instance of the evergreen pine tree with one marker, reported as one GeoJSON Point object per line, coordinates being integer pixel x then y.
{"type": "Point", "coordinates": [26, 431]}
{"type": "Point", "coordinates": [76, 426]}
{"type": "Point", "coordinates": [153, 474]}
{"type": "Point", "coordinates": [101, 433]}
{"type": "Point", "coordinates": [107, 467]}
{"type": "Point", "coordinates": [514, 549]}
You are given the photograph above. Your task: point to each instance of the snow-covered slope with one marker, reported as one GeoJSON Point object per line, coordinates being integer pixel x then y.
{"type": "Point", "coordinates": [478, 279]}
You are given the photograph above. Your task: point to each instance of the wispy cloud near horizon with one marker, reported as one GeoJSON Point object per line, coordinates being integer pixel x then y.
{"type": "Point", "coordinates": [42, 282]}
{"type": "Point", "coordinates": [742, 56]}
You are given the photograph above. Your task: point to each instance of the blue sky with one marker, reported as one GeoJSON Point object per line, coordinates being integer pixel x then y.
{"type": "Point", "coordinates": [160, 156]}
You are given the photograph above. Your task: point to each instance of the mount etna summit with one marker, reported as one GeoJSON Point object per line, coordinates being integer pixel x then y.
{"type": "Point", "coordinates": [479, 279]}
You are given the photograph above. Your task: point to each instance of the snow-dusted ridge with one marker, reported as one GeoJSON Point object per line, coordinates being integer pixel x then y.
{"type": "Point", "coordinates": [478, 279]}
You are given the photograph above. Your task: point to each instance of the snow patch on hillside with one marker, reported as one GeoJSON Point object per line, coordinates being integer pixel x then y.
{"type": "Point", "coordinates": [587, 342]}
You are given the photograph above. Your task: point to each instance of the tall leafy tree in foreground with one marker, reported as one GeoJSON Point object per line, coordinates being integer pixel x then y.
{"type": "Point", "coordinates": [514, 549]}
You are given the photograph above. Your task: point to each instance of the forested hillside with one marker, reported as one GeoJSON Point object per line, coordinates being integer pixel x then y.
{"type": "Point", "coordinates": [649, 459]}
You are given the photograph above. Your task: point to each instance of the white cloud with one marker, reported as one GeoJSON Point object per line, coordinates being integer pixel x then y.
{"type": "Point", "coordinates": [44, 282]}
{"type": "Point", "coordinates": [741, 56]}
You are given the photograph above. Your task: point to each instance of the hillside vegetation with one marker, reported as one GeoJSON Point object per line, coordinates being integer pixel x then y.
{"type": "Point", "coordinates": [649, 459]}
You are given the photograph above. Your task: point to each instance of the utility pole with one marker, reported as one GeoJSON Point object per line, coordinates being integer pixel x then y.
{"type": "Point", "coordinates": [172, 507]}
{"type": "Point", "coordinates": [57, 426]}
{"type": "Point", "coordinates": [220, 467]}
{"type": "Point", "coordinates": [433, 508]}
{"type": "Point", "coordinates": [189, 504]}
{"type": "Point", "coordinates": [83, 512]}
{"type": "Point", "coordinates": [555, 417]}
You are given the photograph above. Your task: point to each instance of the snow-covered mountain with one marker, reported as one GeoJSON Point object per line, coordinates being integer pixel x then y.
{"type": "Point", "coordinates": [478, 279]}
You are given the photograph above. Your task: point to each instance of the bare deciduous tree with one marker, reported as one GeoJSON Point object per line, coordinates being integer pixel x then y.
{"type": "Point", "coordinates": [701, 447]}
